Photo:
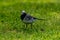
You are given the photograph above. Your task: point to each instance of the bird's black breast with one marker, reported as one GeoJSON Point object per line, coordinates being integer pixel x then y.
{"type": "Point", "coordinates": [22, 16]}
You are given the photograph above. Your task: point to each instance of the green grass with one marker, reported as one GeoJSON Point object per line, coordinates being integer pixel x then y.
{"type": "Point", "coordinates": [11, 27]}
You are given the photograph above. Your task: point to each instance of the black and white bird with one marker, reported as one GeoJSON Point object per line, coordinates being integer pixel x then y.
{"type": "Point", "coordinates": [28, 19]}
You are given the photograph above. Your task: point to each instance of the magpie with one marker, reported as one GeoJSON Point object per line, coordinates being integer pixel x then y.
{"type": "Point", "coordinates": [28, 19]}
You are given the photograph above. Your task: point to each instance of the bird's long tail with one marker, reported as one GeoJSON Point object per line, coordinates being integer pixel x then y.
{"type": "Point", "coordinates": [39, 19]}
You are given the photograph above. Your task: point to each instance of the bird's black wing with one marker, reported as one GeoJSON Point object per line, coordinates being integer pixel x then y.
{"type": "Point", "coordinates": [28, 17]}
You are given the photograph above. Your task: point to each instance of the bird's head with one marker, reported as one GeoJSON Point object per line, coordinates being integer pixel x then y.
{"type": "Point", "coordinates": [23, 12]}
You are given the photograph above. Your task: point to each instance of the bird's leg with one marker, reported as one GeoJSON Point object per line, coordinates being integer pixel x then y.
{"type": "Point", "coordinates": [26, 25]}
{"type": "Point", "coordinates": [31, 25]}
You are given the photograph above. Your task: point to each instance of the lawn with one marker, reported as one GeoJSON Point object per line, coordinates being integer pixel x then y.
{"type": "Point", "coordinates": [12, 28]}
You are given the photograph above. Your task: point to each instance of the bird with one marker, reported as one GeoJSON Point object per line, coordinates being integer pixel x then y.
{"type": "Point", "coordinates": [28, 19]}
